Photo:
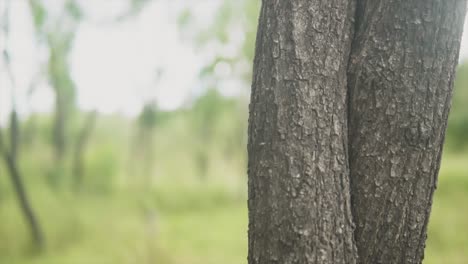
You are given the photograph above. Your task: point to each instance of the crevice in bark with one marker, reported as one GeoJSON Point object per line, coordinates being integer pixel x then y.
{"type": "Point", "coordinates": [356, 20]}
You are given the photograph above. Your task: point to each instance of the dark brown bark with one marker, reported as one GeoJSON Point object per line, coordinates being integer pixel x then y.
{"type": "Point", "coordinates": [299, 203]}
{"type": "Point", "coordinates": [398, 84]}
{"type": "Point", "coordinates": [400, 81]}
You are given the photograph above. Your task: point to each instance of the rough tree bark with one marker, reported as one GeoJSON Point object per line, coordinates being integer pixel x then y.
{"type": "Point", "coordinates": [395, 99]}
{"type": "Point", "coordinates": [401, 76]}
{"type": "Point", "coordinates": [299, 195]}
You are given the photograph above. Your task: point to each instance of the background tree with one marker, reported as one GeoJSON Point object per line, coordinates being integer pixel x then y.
{"type": "Point", "coordinates": [80, 149]}
{"type": "Point", "coordinates": [144, 142]}
{"type": "Point", "coordinates": [206, 110]}
{"type": "Point", "coordinates": [13, 169]}
{"type": "Point", "coordinates": [9, 152]}
{"type": "Point", "coordinates": [57, 34]}
{"type": "Point", "coordinates": [228, 43]}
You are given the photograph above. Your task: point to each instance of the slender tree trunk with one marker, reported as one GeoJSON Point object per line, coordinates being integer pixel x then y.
{"type": "Point", "coordinates": [10, 153]}
{"type": "Point", "coordinates": [23, 200]}
{"type": "Point", "coordinates": [392, 88]}
{"type": "Point", "coordinates": [299, 195]}
{"type": "Point", "coordinates": [59, 133]}
{"type": "Point", "coordinates": [60, 144]}
{"type": "Point", "coordinates": [14, 134]}
{"type": "Point", "coordinates": [400, 81]}
{"type": "Point", "coordinates": [81, 143]}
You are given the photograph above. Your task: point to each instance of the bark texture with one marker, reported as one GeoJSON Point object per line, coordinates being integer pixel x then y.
{"type": "Point", "coordinates": [299, 202]}
{"type": "Point", "coordinates": [401, 76]}
{"type": "Point", "coordinates": [392, 88]}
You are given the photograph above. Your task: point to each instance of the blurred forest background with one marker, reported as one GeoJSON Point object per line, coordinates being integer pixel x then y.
{"type": "Point", "coordinates": [101, 165]}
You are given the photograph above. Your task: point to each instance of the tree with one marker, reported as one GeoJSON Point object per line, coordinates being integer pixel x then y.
{"type": "Point", "coordinates": [80, 148]}
{"type": "Point", "coordinates": [9, 152]}
{"type": "Point", "coordinates": [57, 35]}
{"type": "Point", "coordinates": [400, 93]}
{"type": "Point", "coordinates": [144, 140]}
{"type": "Point", "coordinates": [348, 112]}
{"type": "Point", "coordinates": [12, 166]}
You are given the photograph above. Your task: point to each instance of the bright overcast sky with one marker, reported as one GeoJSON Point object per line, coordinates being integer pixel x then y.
{"type": "Point", "coordinates": [115, 66]}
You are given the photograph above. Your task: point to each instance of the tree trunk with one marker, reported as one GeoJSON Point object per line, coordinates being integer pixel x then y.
{"type": "Point", "coordinates": [401, 76]}
{"type": "Point", "coordinates": [80, 147]}
{"type": "Point", "coordinates": [12, 167]}
{"type": "Point", "coordinates": [392, 88]}
{"type": "Point", "coordinates": [59, 132]}
{"type": "Point", "coordinates": [10, 153]}
{"type": "Point", "coordinates": [299, 195]}
{"type": "Point", "coordinates": [14, 134]}
{"type": "Point", "coordinates": [60, 143]}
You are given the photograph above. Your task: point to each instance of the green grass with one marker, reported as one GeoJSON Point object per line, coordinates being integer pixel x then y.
{"type": "Point", "coordinates": [196, 225]}
{"type": "Point", "coordinates": [448, 226]}
{"type": "Point", "coordinates": [192, 224]}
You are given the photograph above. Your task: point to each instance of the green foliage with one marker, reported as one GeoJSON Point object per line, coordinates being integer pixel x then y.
{"type": "Point", "coordinates": [185, 18]}
{"type": "Point", "coordinates": [457, 132]}
{"type": "Point", "coordinates": [59, 72]}
{"type": "Point", "coordinates": [37, 130]}
{"type": "Point", "coordinates": [446, 244]}
{"type": "Point", "coordinates": [57, 34]}
{"type": "Point", "coordinates": [194, 224]}
{"type": "Point", "coordinates": [231, 17]}
{"type": "Point", "coordinates": [102, 167]}
{"type": "Point", "coordinates": [176, 218]}
{"type": "Point", "coordinates": [135, 7]}
{"type": "Point", "coordinates": [148, 116]}
{"type": "Point", "coordinates": [74, 10]}
{"type": "Point", "coordinates": [39, 14]}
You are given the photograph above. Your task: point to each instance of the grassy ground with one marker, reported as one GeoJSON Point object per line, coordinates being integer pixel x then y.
{"type": "Point", "coordinates": [448, 226]}
{"type": "Point", "coordinates": [202, 225]}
